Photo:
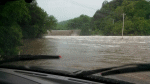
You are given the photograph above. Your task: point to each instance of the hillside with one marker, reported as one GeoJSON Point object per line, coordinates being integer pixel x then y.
{"type": "Point", "coordinates": [109, 19]}
{"type": "Point", "coordinates": [79, 23]}
{"type": "Point", "coordinates": [62, 25]}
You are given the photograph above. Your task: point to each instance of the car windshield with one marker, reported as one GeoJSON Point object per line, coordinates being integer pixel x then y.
{"type": "Point", "coordinates": [88, 34]}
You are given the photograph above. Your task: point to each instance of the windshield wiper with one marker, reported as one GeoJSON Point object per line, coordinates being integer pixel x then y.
{"type": "Point", "coordinates": [27, 57]}
{"type": "Point", "coordinates": [65, 73]}
{"type": "Point", "coordinates": [129, 68]}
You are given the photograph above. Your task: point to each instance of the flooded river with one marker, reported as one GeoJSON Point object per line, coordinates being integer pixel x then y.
{"type": "Point", "coordinates": [89, 52]}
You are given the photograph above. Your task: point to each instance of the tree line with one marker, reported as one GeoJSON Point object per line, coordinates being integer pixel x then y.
{"type": "Point", "coordinates": [20, 20]}
{"type": "Point", "coordinates": [79, 23]}
{"type": "Point", "coordinates": [109, 19]}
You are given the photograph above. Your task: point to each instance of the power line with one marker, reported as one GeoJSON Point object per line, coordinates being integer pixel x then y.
{"type": "Point", "coordinates": [81, 5]}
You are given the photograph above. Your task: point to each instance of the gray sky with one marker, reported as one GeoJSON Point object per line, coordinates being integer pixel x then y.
{"type": "Point", "coordinates": [68, 9]}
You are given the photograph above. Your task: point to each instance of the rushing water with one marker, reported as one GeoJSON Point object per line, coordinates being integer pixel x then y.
{"type": "Point", "coordinates": [91, 52]}
{"type": "Point", "coordinates": [88, 52]}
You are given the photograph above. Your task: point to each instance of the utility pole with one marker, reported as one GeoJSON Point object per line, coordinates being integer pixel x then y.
{"type": "Point", "coordinates": [123, 24]}
{"type": "Point", "coordinates": [113, 21]}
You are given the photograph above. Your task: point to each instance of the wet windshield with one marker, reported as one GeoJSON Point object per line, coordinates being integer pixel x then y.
{"type": "Point", "coordinates": [88, 34]}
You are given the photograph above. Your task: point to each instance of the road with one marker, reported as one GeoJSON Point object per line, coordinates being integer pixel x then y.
{"type": "Point", "coordinates": [91, 52]}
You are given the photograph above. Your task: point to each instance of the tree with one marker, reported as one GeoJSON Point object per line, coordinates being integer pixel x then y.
{"type": "Point", "coordinates": [20, 19]}
{"type": "Point", "coordinates": [104, 3]}
{"type": "Point", "coordinates": [37, 23]}
{"type": "Point", "coordinates": [62, 25]}
{"type": "Point", "coordinates": [142, 9]}
{"type": "Point", "coordinates": [11, 34]}
{"type": "Point", "coordinates": [136, 20]}
{"type": "Point", "coordinates": [82, 23]}
{"type": "Point", "coordinates": [50, 22]}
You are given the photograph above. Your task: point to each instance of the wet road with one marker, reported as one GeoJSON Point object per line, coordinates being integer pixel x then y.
{"type": "Point", "coordinates": [90, 52]}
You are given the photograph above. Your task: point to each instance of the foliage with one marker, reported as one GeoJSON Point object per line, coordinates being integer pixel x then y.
{"type": "Point", "coordinates": [11, 33]}
{"type": "Point", "coordinates": [37, 23]}
{"type": "Point", "coordinates": [82, 23]}
{"type": "Point", "coordinates": [23, 20]}
{"type": "Point", "coordinates": [20, 19]}
{"type": "Point", "coordinates": [136, 19]}
{"type": "Point", "coordinates": [62, 25]}
{"type": "Point", "coordinates": [50, 23]}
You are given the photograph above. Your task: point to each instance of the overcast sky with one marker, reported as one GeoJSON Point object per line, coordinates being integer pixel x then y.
{"type": "Point", "coordinates": [68, 9]}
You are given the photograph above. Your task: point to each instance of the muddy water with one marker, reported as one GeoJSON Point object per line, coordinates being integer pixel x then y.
{"type": "Point", "coordinates": [91, 52]}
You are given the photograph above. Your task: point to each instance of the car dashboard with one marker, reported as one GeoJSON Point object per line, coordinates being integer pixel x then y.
{"type": "Point", "coordinates": [13, 76]}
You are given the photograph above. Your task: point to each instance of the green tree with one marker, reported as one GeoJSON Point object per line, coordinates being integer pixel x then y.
{"type": "Point", "coordinates": [38, 21]}
{"type": "Point", "coordinates": [34, 27]}
{"type": "Point", "coordinates": [10, 34]}
{"type": "Point", "coordinates": [136, 19]}
{"type": "Point", "coordinates": [20, 19]}
{"type": "Point", "coordinates": [82, 23]}
{"type": "Point", "coordinates": [50, 22]}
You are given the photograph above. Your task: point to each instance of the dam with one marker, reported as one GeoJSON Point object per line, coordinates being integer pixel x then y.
{"type": "Point", "coordinates": [63, 33]}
